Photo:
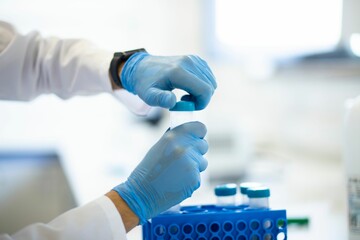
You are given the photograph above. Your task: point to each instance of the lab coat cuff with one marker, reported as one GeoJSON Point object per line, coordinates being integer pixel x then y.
{"type": "Point", "coordinates": [132, 102]}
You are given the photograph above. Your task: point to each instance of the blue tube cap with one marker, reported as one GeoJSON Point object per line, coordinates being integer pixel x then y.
{"type": "Point", "coordinates": [246, 185]}
{"type": "Point", "coordinates": [228, 189]}
{"type": "Point", "coordinates": [184, 106]}
{"type": "Point", "coordinates": [258, 192]}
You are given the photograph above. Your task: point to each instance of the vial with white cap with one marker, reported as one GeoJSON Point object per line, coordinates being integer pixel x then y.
{"type": "Point", "coordinates": [226, 194]}
{"type": "Point", "coordinates": [244, 200]}
{"type": "Point", "coordinates": [182, 112]}
{"type": "Point", "coordinates": [258, 197]}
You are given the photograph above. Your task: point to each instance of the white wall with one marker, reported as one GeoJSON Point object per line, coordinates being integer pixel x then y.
{"type": "Point", "coordinates": [167, 27]}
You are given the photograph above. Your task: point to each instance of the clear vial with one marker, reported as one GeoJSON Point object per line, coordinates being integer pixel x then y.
{"type": "Point", "coordinates": [182, 112]}
{"type": "Point", "coordinates": [258, 197]}
{"type": "Point", "coordinates": [244, 200]}
{"type": "Point", "coordinates": [226, 194]}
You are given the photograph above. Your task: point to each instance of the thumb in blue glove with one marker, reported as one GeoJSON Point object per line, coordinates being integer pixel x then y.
{"type": "Point", "coordinates": [169, 173]}
{"type": "Point", "coordinates": [153, 78]}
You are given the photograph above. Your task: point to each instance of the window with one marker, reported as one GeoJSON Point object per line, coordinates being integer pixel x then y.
{"type": "Point", "coordinates": [276, 28]}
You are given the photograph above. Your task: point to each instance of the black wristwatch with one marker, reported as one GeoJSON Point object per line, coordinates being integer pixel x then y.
{"type": "Point", "coordinates": [120, 57]}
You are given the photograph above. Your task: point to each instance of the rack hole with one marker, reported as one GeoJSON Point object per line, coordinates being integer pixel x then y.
{"type": "Point", "coordinates": [214, 227]}
{"type": "Point", "coordinates": [241, 237]}
{"type": "Point", "coordinates": [281, 223]}
{"type": "Point", "coordinates": [187, 229]}
{"type": "Point", "coordinates": [254, 225]}
{"type": "Point", "coordinates": [173, 229]}
{"type": "Point", "coordinates": [280, 236]}
{"type": "Point", "coordinates": [241, 225]}
{"type": "Point", "coordinates": [160, 230]}
{"type": "Point", "coordinates": [255, 237]}
{"type": "Point", "coordinates": [268, 236]}
{"type": "Point", "coordinates": [228, 226]}
{"type": "Point", "coordinates": [215, 238]}
{"type": "Point", "coordinates": [267, 224]}
{"type": "Point", "coordinates": [201, 228]}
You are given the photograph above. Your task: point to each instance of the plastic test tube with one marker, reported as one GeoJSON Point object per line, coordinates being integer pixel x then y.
{"type": "Point", "coordinates": [258, 197]}
{"type": "Point", "coordinates": [182, 112]}
{"type": "Point", "coordinates": [226, 194]}
{"type": "Point", "coordinates": [243, 191]}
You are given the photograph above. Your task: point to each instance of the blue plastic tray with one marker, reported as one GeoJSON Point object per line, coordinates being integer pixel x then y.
{"type": "Point", "coordinates": [215, 223]}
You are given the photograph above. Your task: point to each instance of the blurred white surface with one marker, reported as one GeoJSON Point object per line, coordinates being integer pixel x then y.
{"type": "Point", "coordinates": [295, 127]}
{"type": "Point", "coordinates": [305, 187]}
{"type": "Point", "coordinates": [279, 127]}
{"type": "Point", "coordinates": [93, 140]}
{"type": "Point", "coordinates": [277, 28]}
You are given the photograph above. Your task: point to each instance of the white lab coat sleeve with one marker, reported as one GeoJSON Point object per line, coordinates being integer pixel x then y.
{"type": "Point", "coordinates": [96, 220]}
{"type": "Point", "coordinates": [31, 65]}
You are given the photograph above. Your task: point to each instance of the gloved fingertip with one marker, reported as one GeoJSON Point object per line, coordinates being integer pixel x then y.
{"type": "Point", "coordinates": [188, 98]}
{"type": "Point", "coordinates": [200, 105]}
{"type": "Point", "coordinates": [167, 99]}
{"type": "Point", "coordinates": [203, 165]}
{"type": "Point", "coordinates": [202, 101]}
{"type": "Point", "coordinates": [203, 147]}
{"type": "Point", "coordinates": [195, 128]}
{"type": "Point", "coordinates": [160, 98]}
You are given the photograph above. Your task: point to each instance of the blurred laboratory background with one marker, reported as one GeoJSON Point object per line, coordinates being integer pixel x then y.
{"type": "Point", "coordinates": [284, 71]}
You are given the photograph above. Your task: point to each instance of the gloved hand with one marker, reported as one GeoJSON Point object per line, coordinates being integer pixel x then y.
{"type": "Point", "coordinates": [153, 78]}
{"type": "Point", "coordinates": [169, 173]}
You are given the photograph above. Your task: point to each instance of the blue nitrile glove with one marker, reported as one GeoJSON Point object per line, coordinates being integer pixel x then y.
{"type": "Point", "coordinates": [169, 173]}
{"type": "Point", "coordinates": [153, 78]}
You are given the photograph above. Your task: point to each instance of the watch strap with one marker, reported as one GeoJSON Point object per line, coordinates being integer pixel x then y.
{"type": "Point", "coordinates": [118, 58]}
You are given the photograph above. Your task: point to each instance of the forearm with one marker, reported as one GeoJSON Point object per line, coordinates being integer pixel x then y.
{"type": "Point", "coordinates": [128, 217]}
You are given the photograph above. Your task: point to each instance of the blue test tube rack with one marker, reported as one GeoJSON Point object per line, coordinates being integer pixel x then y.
{"type": "Point", "coordinates": [211, 222]}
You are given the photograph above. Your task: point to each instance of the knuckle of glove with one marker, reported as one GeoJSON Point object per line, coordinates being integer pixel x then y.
{"type": "Point", "coordinates": [170, 138]}
{"type": "Point", "coordinates": [174, 70]}
{"type": "Point", "coordinates": [187, 60]}
{"type": "Point", "coordinates": [174, 145]}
